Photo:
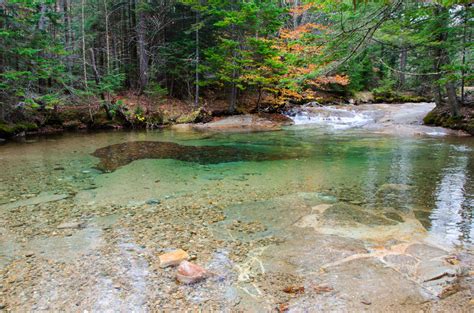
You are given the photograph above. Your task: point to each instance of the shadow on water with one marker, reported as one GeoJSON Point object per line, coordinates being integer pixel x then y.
{"type": "Point", "coordinates": [118, 155]}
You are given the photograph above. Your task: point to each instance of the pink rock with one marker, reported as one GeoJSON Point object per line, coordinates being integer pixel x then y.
{"type": "Point", "coordinates": [189, 273]}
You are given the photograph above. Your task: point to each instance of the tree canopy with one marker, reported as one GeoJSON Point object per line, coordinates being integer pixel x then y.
{"type": "Point", "coordinates": [55, 51]}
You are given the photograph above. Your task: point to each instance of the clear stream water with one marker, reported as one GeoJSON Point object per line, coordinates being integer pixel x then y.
{"type": "Point", "coordinates": [262, 210]}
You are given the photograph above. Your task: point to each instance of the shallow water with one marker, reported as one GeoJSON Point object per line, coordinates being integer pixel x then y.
{"type": "Point", "coordinates": [263, 211]}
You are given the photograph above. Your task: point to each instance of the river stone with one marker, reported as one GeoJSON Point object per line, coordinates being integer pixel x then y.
{"type": "Point", "coordinates": [311, 220]}
{"type": "Point", "coordinates": [173, 258]}
{"type": "Point", "coordinates": [406, 264]}
{"type": "Point", "coordinates": [189, 273]}
{"type": "Point", "coordinates": [320, 208]}
{"type": "Point", "coordinates": [393, 216]}
{"type": "Point", "coordinates": [369, 280]}
{"type": "Point", "coordinates": [307, 252]}
{"type": "Point", "coordinates": [423, 217]}
{"type": "Point", "coordinates": [346, 214]}
{"type": "Point", "coordinates": [246, 122]}
{"type": "Point", "coordinates": [41, 198]}
{"type": "Point", "coordinates": [424, 251]}
{"type": "Point", "coordinates": [70, 225]}
{"type": "Point", "coordinates": [153, 201]}
{"type": "Point", "coordinates": [275, 213]}
{"type": "Point", "coordinates": [394, 187]}
{"type": "Point", "coordinates": [434, 270]}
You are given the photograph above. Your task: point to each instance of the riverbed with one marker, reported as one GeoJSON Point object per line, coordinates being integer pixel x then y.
{"type": "Point", "coordinates": [311, 217]}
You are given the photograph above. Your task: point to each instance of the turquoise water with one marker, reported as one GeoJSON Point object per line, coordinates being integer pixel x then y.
{"type": "Point", "coordinates": [223, 188]}
{"type": "Point", "coordinates": [436, 174]}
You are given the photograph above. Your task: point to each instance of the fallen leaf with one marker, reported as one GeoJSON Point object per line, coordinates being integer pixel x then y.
{"type": "Point", "coordinates": [283, 307]}
{"type": "Point", "coordinates": [321, 289]}
{"type": "Point", "coordinates": [453, 260]}
{"type": "Point", "coordinates": [294, 289]}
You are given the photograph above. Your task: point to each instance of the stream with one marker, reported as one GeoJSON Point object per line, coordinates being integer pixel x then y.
{"type": "Point", "coordinates": [349, 209]}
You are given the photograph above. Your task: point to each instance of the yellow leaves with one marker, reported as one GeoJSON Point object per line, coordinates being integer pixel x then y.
{"type": "Point", "coordinates": [289, 94]}
{"type": "Point", "coordinates": [342, 80]}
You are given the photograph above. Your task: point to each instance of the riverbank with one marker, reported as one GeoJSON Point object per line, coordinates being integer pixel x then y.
{"type": "Point", "coordinates": [141, 113]}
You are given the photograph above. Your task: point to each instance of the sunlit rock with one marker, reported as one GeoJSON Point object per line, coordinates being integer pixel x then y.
{"type": "Point", "coordinates": [173, 258]}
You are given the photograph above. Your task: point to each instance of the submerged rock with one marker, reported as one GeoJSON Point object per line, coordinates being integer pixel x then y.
{"type": "Point", "coordinates": [424, 251]}
{"type": "Point", "coordinates": [41, 198]}
{"type": "Point", "coordinates": [153, 201]}
{"type": "Point", "coordinates": [70, 225]}
{"type": "Point", "coordinates": [342, 213]}
{"type": "Point", "coordinates": [173, 258]}
{"type": "Point", "coordinates": [394, 187]}
{"type": "Point", "coordinates": [118, 155]}
{"type": "Point", "coordinates": [189, 273]}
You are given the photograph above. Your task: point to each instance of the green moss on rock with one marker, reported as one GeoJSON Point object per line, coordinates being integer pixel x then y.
{"type": "Point", "coordinates": [9, 130]}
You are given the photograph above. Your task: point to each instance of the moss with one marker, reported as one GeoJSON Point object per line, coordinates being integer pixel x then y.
{"type": "Point", "coordinates": [442, 117]}
{"type": "Point", "coordinates": [193, 117]}
{"type": "Point", "coordinates": [6, 130]}
{"type": "Point", "coordinates": [393, 96]}
{"type": "Point", "coordinates": [430, 118]}
{"type": "Point", "coordinates": [470, 127]}
{"type": "Point", "coordinates": [9, 130]}
{"type": "Point", "coordinates": [154, 119]}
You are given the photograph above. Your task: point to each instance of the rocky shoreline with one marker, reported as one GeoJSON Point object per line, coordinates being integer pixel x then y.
{"type": "Point", "coordinates": [179, 115]}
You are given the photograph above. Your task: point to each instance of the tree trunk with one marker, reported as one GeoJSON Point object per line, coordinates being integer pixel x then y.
{"type": "Point", "coordinates": [107, 39]}
{"type": "Point", "coordinates": [463, 60]}
{"type": "Point", "coordinates": [94, 67]}
{"type": "Point", "coordinates": [141, 49]}
{"type": "Point", "coordinates": [67, 34]}
{"type": "Point", "coordinates": [196, 96]}
{"type": "Point", "coordinates": [452, 100]}
{"type": "Point", "coordinates": [84, 67]}
{"type": "Point", "coordinates": [42, 19]}
{"type": "Point", "coordinates": [403, 66]}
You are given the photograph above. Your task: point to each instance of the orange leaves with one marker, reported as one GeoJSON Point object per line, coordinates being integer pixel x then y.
{"type": "Point", "coordinates": [301, 70]}
{"type": "Point", "coordinates": [306, 49]}
{"type": "Point", "coordinates": [298, 32]}
{"type": "Point", "coordinates": [301, 9]}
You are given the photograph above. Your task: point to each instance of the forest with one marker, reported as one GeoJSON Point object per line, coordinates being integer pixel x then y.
{"type": "Point", "coordinates": [121, 60]}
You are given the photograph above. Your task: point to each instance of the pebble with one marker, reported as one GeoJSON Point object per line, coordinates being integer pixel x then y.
{"type": "Point", "coordinates": [153, 201]}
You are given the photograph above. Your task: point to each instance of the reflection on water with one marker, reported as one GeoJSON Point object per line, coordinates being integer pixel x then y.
{"type": "Point", "coordinates": [452, 215]}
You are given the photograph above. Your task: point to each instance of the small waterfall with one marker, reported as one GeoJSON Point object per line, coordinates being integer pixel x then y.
{"type": "Point", "coordinates": [333, 117]}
